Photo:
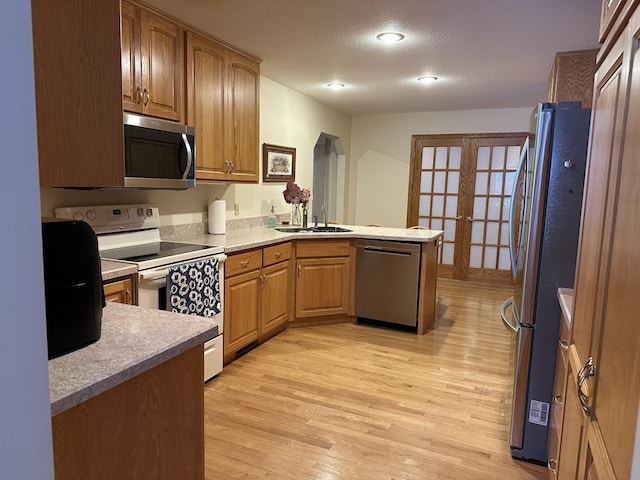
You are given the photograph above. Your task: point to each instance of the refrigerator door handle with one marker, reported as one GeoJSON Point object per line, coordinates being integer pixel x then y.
{"type": "Point", "coordinates": [519, 407]}
{"type": "Point", "coordinates": [511, 325]}
{"type": "Point", "coordinates": [516, 181]}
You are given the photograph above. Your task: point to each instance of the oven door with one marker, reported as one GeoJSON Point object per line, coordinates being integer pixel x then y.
{"type": "Point", "coordinates": [152, 294]}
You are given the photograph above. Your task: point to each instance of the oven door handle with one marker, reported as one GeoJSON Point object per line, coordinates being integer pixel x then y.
{"type": "Point", "coordinates": [154, 275]}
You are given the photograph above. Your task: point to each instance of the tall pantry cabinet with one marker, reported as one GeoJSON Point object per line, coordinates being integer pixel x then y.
{"type": "Point", "coordinates": [604, 353]}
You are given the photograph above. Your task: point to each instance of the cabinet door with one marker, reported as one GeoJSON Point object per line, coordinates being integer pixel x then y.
{"type": "Point", "coordinates": [242, 117]}
{"type": "Point", "coordinates": [162, 66]}
{"type": "Point", "coordinates": [322, 287]}
{"type": "Point", "coordinates": [120, 291]}
{"type": "Point", "coordinates": [572, 427]}
{"type": "Point", "coordinates": [205, 104]}
{"type": "Point", "coordinates": [241, 311]}
{"type": "Point", "coordinates": [130, 58]}
{"type": "Point", "coordinates": [276, 297]}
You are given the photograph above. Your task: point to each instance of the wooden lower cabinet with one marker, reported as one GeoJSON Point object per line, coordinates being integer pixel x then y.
{"type": "Point", "coordinates": [120, 291]}
{"type": "Point", "coordinates": [258, 296]}
{"type": "Point", "coordinates": [151, 426]}
{"type": "Point", "coordinates": [324, 277]}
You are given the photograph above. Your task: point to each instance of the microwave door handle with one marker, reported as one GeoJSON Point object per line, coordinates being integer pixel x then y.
{"type": "Point", "coordinates": [187, 146]}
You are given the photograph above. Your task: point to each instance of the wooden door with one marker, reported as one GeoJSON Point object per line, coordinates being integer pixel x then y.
{"type": "Point", "coordinates": [572, 429]}
{"type": "Point", "coordinates": [120, 291]}
{"type": "Point", "coordinates": [322, 287]}
{"type": "Point", "coordinates": [462, 184]}
{"type": "Point", "coordinates": [162, 66]}
{"type": "Point", "coordinates": [242, 117]}
{"type": "Point", "coordinates": [130, 58]}
{"type": "Point", "coordinates": [205, 104]}
{"type": "Point", "coordinates": [241, 310]}
{"type": "Point", "coordinates": [276, 294]}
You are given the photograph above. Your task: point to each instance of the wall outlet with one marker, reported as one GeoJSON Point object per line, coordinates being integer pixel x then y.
{"type": "Point", "coordinates": [236, 209]}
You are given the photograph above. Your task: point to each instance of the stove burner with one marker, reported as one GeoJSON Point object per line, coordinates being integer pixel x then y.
{"type": "Point", "coordinates": [151, 251]}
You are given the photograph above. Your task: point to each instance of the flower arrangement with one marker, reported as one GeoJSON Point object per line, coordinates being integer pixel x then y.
{"type": "Point", "coordinates": [294, 194]}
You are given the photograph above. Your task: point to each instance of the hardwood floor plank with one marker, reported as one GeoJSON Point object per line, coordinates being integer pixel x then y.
{"type": "Point", "coordinates": [359, 402]}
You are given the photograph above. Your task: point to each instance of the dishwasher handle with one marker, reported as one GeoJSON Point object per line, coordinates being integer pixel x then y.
{"type": "Point", "coordinates": [386, 251]}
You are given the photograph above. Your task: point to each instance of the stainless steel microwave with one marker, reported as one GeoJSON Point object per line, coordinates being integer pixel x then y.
{"type": "Point", "coordinates": [158, 154]}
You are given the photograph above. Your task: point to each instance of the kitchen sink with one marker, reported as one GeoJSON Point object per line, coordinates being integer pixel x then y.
{"type": "Point", "coordinates": [328, 229]}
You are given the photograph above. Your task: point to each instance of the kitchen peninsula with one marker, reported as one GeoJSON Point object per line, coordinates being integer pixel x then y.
{"type": "Point", "coordinates": [275, 280]}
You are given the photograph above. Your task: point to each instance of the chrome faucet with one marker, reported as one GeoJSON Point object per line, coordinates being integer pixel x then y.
{"type": "Point", "coordinates": [324, 216]}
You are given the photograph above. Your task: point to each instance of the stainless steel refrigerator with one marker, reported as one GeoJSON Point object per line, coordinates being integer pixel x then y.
{"type": "Point", "coordinates": [545, 221]}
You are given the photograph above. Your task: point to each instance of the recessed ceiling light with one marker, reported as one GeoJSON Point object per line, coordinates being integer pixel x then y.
{"type": "Point", "coordinates": [427, 79]}
{"type": "Point", "coordinates": [390, 37]}
{"type": "Point", "coordinates": [335, 85]}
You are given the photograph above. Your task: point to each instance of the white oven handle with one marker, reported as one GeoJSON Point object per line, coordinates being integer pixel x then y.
{"type": "Point", "coordinates": [148, 276]}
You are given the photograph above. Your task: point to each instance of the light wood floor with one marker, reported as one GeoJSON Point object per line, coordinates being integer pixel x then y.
{"type": "Point", "coordinates": [358, 402]}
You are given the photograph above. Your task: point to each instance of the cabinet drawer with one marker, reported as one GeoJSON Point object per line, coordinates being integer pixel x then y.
{"type": "Point", "coordinates": [323, 248]}
{"type": "Point", "coordinates": [243, 262]}
{"type": "Point", "coordinates": [276, 253]}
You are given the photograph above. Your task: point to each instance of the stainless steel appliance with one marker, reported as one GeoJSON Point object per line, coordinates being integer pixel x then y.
{"type": "Point", "coordinates": [158, 154]}
{"type": "Point", "coordinates": [130, 233]}
{"type": "Point", "coordinates": [387, 282]}
{"type": "Point", "coordinates": [545, 223]}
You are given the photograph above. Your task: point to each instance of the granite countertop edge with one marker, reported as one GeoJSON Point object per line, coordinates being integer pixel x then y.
{"type": "Point", "coordinates": [565, 298]}
{"type": "Point", "coordinates": [133, 341]}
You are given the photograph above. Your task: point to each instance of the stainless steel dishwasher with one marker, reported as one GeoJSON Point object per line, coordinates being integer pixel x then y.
{"type": "Point", "coordinates": [387, 282]}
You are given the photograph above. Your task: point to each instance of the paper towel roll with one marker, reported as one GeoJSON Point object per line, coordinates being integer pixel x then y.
{"type": "Point", "coordinates": [218, 217]}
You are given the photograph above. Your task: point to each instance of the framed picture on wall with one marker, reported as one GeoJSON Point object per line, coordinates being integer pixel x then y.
{"type": "Point", "coordinates": [278, 163]}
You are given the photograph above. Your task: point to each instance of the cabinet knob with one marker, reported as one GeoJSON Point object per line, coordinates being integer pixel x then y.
{"type": "Point", "coordinates": [564, 345]}
{"type": "Point", "coordinates": [558, 400]}
{"type": "Point", "coordinates": [145, 94]}
{"type": "Point", "coordinates": [278, 254]}
{"type": "Point", "coordinates": [552, 465]}
{"type": "Point", "coordinates": [244, 263]}
{"type": "Point", "coordinates": [138, 95]}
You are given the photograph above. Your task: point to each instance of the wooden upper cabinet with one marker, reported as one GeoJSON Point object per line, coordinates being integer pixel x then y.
{"type": "Point", "coordinates": [152, 64]}
{"type": "Point", "coordinates": [242, 117]}
{"type": "Point", "coordinates": [223, 105]}
{"type": "Point", "coordinates": [571, 78]}
{"type": "Point", "coordinates": [610, 11]}
{"type": "Point", "coordinates": [76, 47]}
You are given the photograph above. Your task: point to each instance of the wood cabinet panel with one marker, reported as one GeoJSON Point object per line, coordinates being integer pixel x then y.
{"type": "Point", "coordinates": [151, 426]}
{"type": "Point", "coordinates": [243, 262]}
{"type": "Point", "coordinates": [323, 248]}
{"type": "Point", "coordinates": [276, 253]}
{"type": "Point", "coordinates": [276, 295]}
{"type": "Point", "coordinates": [120, 291]}
{"type": "Point", "coordinates": [206, 67]}
{"type": "Point", "coordinates": [152, 63]}
{"type": "Point", "coordinates": [573, 424]}
{"type": "Point", "coordinates": [223, 105]}
{"type": "Point", "coordinates": [571, 78]}
{"type": "Point", "coordinates": [241, 311]}
{"type": "Point", "coordinates": [322, 287]}
{"type": "Point", "coordinates": [76, 47]}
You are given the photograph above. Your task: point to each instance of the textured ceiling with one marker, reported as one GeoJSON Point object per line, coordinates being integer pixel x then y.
{"type": "Point", "coordinates": [485, 53]}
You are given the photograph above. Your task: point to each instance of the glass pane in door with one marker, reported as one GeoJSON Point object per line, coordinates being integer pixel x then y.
{"type": "Point", "coordinates": [439, 189]}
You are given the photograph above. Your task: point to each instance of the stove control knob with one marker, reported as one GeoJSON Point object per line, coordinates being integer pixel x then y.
{"type": "Point", "coordinates": [149, 212]}
{"type": "Point", "coordinates": [78, 216]}
{"type": "Point", "coordinates": [140, 212]}
{"type": "Point", "coordinates": [91, 215]}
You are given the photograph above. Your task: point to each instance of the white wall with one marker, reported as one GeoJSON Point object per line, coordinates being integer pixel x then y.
{"type": "Point", "coordinates": [25, 414]}
{"type": "Point", "coordinates": [286, 118]}
{"type": "Point", "coordinates": [381, 152]}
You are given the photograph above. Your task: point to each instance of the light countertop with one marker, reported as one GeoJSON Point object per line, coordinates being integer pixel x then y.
{"type": "Point", "coordinates": [133, 340]}
{"type": "Point", "coordinates": [244, 239]}
{"type": "Point", "coordinates": [565, 297]}
{"type": "Point", "coordinates": [113, 269]}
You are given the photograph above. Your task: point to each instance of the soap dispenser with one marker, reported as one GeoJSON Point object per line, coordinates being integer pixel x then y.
{"type": "Point", "coordinates": [272, 218]}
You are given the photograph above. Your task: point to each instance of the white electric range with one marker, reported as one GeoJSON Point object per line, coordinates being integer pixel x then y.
{"type": "Point", "coordinates": [130, 233]}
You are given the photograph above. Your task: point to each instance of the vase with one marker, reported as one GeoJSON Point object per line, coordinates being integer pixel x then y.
{"type": "Point", "coordinates": [295, 214]}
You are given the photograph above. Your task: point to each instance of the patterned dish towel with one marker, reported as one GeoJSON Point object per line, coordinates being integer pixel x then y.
{"type": "Point", "coordinates": [194, 288]}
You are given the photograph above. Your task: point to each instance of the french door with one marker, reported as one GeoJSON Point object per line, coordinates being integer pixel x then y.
{"type": "Point", "coordinates": [462, 184]}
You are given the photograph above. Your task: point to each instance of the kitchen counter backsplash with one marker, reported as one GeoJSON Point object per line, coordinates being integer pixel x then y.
{"type": "Point", "coordinates": [173, 232]}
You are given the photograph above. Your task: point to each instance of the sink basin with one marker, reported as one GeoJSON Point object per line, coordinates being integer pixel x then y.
{"type": "Point", "coordinates": [318, 229]}
{"type": "Point", "coordinates": [328, 229]}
